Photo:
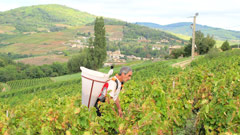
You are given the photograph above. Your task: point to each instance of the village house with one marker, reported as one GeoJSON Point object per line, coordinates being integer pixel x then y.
{"type": "Point", "coordinates": [146, 58]}
{"type": "Point", "coordinates": [143, 39]}
{"type": "Point", "coordinates": [115, 56]}
{"type": "Point", "coordinates": [164, 41]}
{"type": "Point", "coordinates": [157, 47]}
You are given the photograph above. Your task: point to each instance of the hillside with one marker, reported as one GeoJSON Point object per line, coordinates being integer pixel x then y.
{"type": "Point", "coordinates": [44, 16]}
{"type": "Point", "coordinates": [55, 30]}
{"type": "Point", "coordinates": [184, 28]}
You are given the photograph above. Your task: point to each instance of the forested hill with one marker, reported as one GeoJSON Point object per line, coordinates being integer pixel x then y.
{"type": "Point", "coordinates": [40, 18]}
{"type": "Point", "coordinates": [44, 16]}
{"type": "Point", "coordinates": [184, 28]}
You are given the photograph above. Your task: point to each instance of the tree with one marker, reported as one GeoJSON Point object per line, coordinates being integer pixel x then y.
{"type": "Point", "coordinates": [81, 59]}
{"type": "Point", "coordinates": [225, 46]}
{"type": "Point", "coordinates": [8, 73]}
{"type": "Point", "coordinates": [34, 72]}
{"type": "Point", "coordinates": [206, 44]}
{"type": "Point", "coordinates": [98, 51]}
{"type": "Point", "coordinates": [177, 52]}
{"type": "Point", "coordinates": [59, 68]}
{"type": "Point", "coordinates": [203, 44]}
{"type": "Point", "coordinates": [2, 63]}
{"type": "Point", "coordinates": [47, 70]}
{"type": "Point", "coordinates": [188, 49]}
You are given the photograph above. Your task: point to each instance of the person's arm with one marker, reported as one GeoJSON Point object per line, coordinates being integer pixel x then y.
{"type": "Point", "coordinates": [119, 107]}
{"type": "Point", "coordinates": [112, 87]}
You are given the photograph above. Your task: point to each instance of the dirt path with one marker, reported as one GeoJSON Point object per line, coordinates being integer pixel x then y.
{"type": "Point", "coordinates": [182, 64]}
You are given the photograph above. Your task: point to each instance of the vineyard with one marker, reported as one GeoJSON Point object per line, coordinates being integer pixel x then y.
{"type": "Point", "coordinates": [202, 98]}
{"type": "Point", "coordinates": [18, 84]}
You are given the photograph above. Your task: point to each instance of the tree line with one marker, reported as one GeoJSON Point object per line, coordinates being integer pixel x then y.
{"type": "Point", "coordinates": [10, 70]}
{"type": "Point", "coordinates": [143, 50]}
{"type": "Point", "coordinates": [203, 45]}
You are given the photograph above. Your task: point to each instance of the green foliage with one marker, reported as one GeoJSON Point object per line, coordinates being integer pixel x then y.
{"type": "Point", "coordinates": [82, 59]}
{"type": "Point", "coordinates": [133, 31]}
{"type": "Point", "coordinates": [27, 19]}
{"type": "Point", "coordinates": [94, 56]}
{"type": "Point", "coordinates": [203, 44]}
{"type": "Point", "coordinates": [7, 73]}
{"type": "Point", "coordinates": [55, 28]}
{"type": "Point", "coordinates": [113, 46]}
{"type": "Point", "coordinates": [44, 90]}
{"type": "Point", "coordinates": [1, 86]}
{"type": "Point", "coordinates": [4, 44]}
{"type": "Point", "coordinates": [98, 50]}
{"type": "Point", "coordinates": [184, 28]}
{"type": "Point", "coordinates": [143, 50]}
{"type": "Point", "coordinates": [18, 84]}
{"type": "Point", "coordinates": [110, 21]}
{"type": "Point", "coordinates": [14, 56]}
{"type": "Point", "coordinates": [235, 46]}
{"type": "Point", "coordinates": [60, 69]}
{"type": "Point", "coordinates": [159, 99]}
{"type": "Point", "coordinates": [67, 77]}
{"type": "Point", "coordinates": [84, 34]}
{"type": "Point", "coordinates": [9, 70]}
{"type": "Point", "coordinates": [47, 70]}
{"type": "Point", "coordinates": [207, 43]}
{"type": "Point", "coordinates": [225, 46]}
{"type": "Point", "coordinates": [213, 53]}
{"type": "Point", "coordinates": [2, 63]}
{"type": "Point", "coordinates": [177, 52]}
{"type": "Point", "coordinates": [48, 20]}
{"type": "Point", "coordinates": [34, 72]}
{"type": "Point", "coordinates": [218, 92]}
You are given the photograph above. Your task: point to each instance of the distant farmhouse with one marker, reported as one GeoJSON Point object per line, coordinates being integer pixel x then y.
{"type": "Point", "coordinates": [143, 39]}
{"type": "Point", "coordinates": [157, 47]}
{"type": "Point", "coordinates": [115, 56]}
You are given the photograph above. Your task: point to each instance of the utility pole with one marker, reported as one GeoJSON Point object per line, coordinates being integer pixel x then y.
{"type": "Point", "coordinates": [193, 34]}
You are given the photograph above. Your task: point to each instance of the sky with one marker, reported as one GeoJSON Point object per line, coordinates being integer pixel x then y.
{"type": "Point", "coordinates": [216, 13]}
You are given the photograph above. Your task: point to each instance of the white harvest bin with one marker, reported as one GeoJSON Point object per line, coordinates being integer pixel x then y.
{"type": "Point", "coordinates": [92, 83]}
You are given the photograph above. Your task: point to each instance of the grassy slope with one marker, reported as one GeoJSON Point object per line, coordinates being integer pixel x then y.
{"type": "Point", "coordinates": [43, 15]}
{"type": "Point", "coordinates": [5, 29]}
{"type": "Point", "coordinates": [220, 34]}
{"type": "Point", "coordinates": [184, 37]}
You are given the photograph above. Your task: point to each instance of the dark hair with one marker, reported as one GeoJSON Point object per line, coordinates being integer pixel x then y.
{"type": "Point", "coordinates": [124, 70]}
